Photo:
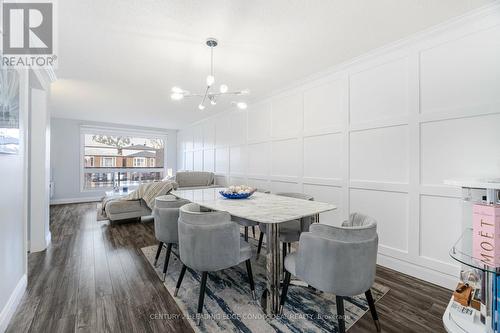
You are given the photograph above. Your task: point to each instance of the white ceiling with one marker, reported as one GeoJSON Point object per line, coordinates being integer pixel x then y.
{"type": "Point", "coordinates": [118, 59]}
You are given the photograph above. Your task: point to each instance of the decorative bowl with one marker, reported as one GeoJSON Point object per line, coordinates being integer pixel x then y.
{"type": "Point", "coordinates": [236, 195]}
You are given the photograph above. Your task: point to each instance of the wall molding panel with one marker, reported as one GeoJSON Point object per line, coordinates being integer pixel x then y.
{"type": "Point", "coordinates": [378, 135]}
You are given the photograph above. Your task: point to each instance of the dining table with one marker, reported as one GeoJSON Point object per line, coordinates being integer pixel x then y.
{"type": "Point", "coordinates": [266, 208]}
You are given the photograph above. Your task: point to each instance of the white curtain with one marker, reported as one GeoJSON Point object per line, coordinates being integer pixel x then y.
{"type": "Point", "coordinates": [9, 98]}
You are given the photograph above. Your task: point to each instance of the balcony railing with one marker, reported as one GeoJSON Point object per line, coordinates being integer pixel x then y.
{"type": "Point", "coordinates": [106, 178]}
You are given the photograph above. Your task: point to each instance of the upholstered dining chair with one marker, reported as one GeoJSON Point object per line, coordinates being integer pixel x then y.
{"type": "Point", "coordinates": [289, 232]}
{"type": "Point", "coordinates": [338, 260]}
{"type": "Point", "coordinates": [209, 242]}
{"type": "Point", "coordinates": [249, 223]}
{"type": "Point", "coordinates": [166, 214]}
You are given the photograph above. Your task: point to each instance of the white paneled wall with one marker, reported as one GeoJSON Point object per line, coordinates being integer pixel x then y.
{"type": "Point", "coordinates": [379, 92]}
{"type": "Point", "coordinates": [326, 148]}
{"type": "Point", "coordinates": [378, 136]}
{"type": "Point", "coordinates": [380, 154]}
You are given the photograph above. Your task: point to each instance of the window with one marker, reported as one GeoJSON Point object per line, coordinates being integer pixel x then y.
{"type": "Point", "coordinates": [111, 158]}
{"type": "Point", "coordinates": [139, 162]}
{"type": "Point", "coordinates": [89, 161]}
{"type": "Point", "coordinates": [108, 162]}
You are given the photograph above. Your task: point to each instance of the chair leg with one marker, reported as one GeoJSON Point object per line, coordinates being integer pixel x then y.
{"type": "Point", "coordinates": [167, 258]}
{"type": "Point", "coordinates": [250, 278]}
{"type": "Point", "coordinates": [340, 313]}
{"type": "Point", "coordinates": [286, 284]}
{"type": "Point", "coordinates": [373, 311]}
{"type": "Point", "coordinates": [253, 231]}
{"type": "Point", "coordinates": [259, 247]}
{"type": "Point", "coordinates": [246, 234]}
{"type": "Point", "coordinates": [179, 280]}
{"type": "Point", "coordinates": [289, 247]}
{"type": "Point", "coordinates": [202, 296]}
{"type": "Point", "coordinates": [160, 246]}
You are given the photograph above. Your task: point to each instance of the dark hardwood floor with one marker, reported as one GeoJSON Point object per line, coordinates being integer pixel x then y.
{"type": "Point", "coordinates": [94, 278]}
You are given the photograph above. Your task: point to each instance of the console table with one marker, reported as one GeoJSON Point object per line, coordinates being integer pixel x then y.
{"type": "Point", "coordinates": [462, 252]}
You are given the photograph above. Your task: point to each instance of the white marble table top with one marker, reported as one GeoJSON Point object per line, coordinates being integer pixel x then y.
{"type": "Point", "coordinates": [260, 207]}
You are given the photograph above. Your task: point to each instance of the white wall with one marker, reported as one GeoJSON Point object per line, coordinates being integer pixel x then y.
{"type": "Point", "coordinates": [39, 234]}
{"type": "Point", "coordinates": [377, 135]}
{"type": "Point", "coordinates": [13, 195]}
{"type": "Point", "coordinates": [65, 157]}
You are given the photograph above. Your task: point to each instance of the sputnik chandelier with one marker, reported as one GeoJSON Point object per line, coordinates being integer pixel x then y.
{"type": "Point", "coordinates": [209, 94]}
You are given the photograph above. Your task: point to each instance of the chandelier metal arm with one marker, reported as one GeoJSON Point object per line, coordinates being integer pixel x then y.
{"type": "Point", "coordinates": [215, 94]}
{"type": "Point", "coordinates": [234, 93]}
{"type": "Point", "coordinates": [205, 95]}
{"type": "Point", "coordinates": [227, 93]}
{"type": "Point", "coordinates": [193, 95]}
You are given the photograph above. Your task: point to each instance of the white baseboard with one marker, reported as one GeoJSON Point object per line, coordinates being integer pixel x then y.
{"type": "Point", "coordinates": [12, 304]}
{"type": "Point", "coordinates": [74, 200]}
{"type": "Point", "coordinates": [420, 272]}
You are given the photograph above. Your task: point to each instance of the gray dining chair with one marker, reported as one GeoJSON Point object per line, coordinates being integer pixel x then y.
{"type": "Point", "coordinates": [338, 260]}
{"type": "Point", "coordinates": [249, 223]}
{"type": "Point", "coordinates": [289, 232]}
{"type": "Point", "coordinates": [166, 214]}
{"type": "Point", "coordinates": [209, 242]}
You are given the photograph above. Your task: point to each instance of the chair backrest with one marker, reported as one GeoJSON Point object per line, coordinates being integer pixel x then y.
{"type": "Point", "coordinates": [166, 216]}
{"type": "Point", "coordinates": [358, 220]}
{"type": "Point", "coordinates": [208, 241]}
{"type": "Point", "coordinates": [341, 260]}
{"type": "Point", "coordinates": [305, 222]}
{"type": "Point", "coordinates": [194, 178]}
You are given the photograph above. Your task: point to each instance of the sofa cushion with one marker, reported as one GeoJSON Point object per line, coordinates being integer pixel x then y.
{"type": "Point", "coordinates": [125, 206]}
{"type": "Point", "coordinates": [194, 178]}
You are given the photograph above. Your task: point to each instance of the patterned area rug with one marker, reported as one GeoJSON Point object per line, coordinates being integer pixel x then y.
{"type": "Point", "coordinates": [229, 305]}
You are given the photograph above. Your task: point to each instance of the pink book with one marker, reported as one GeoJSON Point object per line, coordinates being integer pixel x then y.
{"type": "Point", "coordinates": [486, 234]}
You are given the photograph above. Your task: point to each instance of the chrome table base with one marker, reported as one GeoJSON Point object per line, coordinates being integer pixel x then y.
{"type": "Point", "coordinates": [270, 299]}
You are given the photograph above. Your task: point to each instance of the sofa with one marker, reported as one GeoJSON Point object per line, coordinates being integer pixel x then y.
{"type": "Point", "coordinates": [120, 210]}
{"type": "Point", "coordinates": [195, 179]}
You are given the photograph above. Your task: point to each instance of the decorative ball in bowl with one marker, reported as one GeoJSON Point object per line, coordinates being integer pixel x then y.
{"type": "Point", "coordinates": [237, 192]}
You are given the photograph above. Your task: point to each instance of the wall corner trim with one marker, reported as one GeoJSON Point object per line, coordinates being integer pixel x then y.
{"type": "Point", "coordinates": [48, 239]}
{"type": "Point", "coordinates": [45, 76]}
{"type": "Point", "coordinates": [12, 304]}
